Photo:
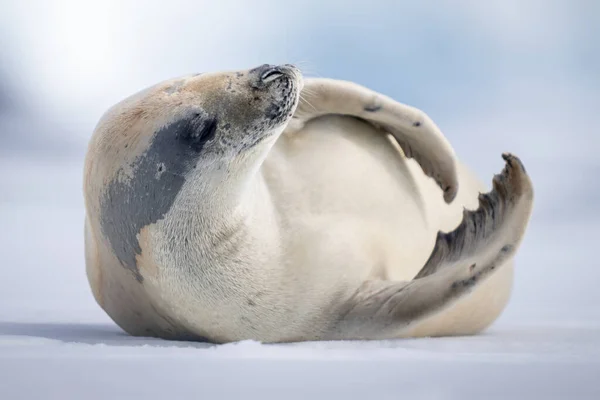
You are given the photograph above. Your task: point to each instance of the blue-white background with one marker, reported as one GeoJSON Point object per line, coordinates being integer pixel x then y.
{"type": "Point", "coordinates": [519, 76]}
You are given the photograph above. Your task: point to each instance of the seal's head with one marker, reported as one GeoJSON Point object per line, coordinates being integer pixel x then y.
{"type": "Point", "coordinates": [196, 134]}
{"type": "Point", "coordinates": [212, 113]}
{"type": "Point", "coordinates": [208, 119]}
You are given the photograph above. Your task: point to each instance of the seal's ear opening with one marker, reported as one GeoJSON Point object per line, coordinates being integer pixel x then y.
{"type": "Point", "coordinates": [199, 129]}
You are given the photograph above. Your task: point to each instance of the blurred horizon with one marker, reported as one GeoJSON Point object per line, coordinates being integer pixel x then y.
{"type": "Point", "coordinates": [518, 76]}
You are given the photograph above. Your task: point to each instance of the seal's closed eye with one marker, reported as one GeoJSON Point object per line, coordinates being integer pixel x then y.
{"type": "Point", "coordinates": [198, 130]}
{"type": "Point", "coordinates": [270, 75]}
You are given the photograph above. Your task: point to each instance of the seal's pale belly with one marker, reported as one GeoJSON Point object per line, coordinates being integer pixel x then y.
{"type": "Point", "coordinates": [343, 175]}
{"type": "Point", "coordinates": [356, 189]}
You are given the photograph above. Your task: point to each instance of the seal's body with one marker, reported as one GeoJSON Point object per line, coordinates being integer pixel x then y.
{"type": "Point", "coordinates": [219, 209]}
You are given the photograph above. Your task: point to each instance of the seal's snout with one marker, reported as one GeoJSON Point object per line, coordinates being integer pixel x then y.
{"type": "Point", "coordinates": [275, 90]}
{"type": "Point", "coordinates": [268, 73]}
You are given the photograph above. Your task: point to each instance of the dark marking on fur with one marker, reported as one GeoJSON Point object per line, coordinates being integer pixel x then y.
{"type": "Point", "coordinates": [416, 123]}
{"type": "Point", "coordinates": [128, 205]}
{"type": "Point", "coordinates": [273, 111]}
{"type": "Point", "coordinates": [373, 108]}
{"type": "Point", "coordinates": [465, 283]}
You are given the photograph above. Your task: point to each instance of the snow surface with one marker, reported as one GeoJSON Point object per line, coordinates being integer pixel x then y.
{"type": "Point", "coordinates": [97, 361]}
{"type": "Point", "coordinates": [55, 342]}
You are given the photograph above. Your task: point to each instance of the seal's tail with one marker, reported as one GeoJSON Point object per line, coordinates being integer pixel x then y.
{"type": "Point", "coordinates": [485, 239]}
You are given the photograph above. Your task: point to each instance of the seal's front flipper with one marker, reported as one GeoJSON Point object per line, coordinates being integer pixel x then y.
{"type": "Point", "coordinates": [416, 133]}
{"type": "Point", "coordinates": [461, 259]}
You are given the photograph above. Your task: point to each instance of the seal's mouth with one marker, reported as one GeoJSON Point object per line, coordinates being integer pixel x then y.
{"type": "Point", "coordinates": [285, 95]}
{"type": "Point", "coordinates": [280, 87]}
{"type": "Point", "coordinates": [283, 84]}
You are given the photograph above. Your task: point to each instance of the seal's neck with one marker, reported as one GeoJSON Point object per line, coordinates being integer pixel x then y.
{"type": "Point", "coordinates": [222, 195]}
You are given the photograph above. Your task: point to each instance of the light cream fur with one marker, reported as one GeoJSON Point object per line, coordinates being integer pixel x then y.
{"type": "Point", "coordinates": [325, 205]}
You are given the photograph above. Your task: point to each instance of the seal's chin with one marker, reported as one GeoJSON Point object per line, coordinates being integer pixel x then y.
{"type": "Point", "coordinates": [284, 83]}
{"type": "Point", "coordinates": [295, 74]}
{"type": "Point", "coordinates": [279, 86]}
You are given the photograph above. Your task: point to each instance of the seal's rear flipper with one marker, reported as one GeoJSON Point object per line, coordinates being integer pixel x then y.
{"type": "Point", "coordinates": [500, 220]}
{"type": "Point", "coordinates": [460, 260]}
